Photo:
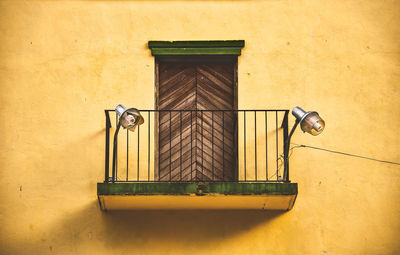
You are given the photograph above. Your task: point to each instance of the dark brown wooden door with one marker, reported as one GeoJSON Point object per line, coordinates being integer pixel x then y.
{"type": "Point", "coordinates": [196, 139]}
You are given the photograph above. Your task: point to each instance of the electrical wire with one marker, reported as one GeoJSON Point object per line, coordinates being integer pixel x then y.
{"type": "Point", "coordinates": [282, 157]}
{"type": "Point", "coordinates": [344, 153]}
{"type": "Point", "coordinates": [281, 160]}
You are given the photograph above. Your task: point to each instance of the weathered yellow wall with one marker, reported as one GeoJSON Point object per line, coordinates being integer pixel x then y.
{"type": "Point", "coordinates": [63, 62]}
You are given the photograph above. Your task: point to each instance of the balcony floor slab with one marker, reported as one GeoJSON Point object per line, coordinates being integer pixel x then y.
{"type": "Point", "coordinates": [197, 196]}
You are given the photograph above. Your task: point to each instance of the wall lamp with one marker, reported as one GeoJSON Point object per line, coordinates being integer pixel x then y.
{"type": "Point", "coordinates": [128, 119]}
{"type": "Point", "coordinates": [310, 122]}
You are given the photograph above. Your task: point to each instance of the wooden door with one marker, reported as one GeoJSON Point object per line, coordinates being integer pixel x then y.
{"type": "Point", "coordinates": [197, 141]}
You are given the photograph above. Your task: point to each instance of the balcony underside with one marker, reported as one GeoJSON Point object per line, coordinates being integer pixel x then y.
{"type": "Point", "coordinates": [197, 196]}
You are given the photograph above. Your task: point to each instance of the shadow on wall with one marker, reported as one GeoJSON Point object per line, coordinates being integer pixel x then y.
{"type": "Point", "coordinates": [90, 226]}
{"type": "Point", "coordinates": [180, 226]}
{"type": "Point", "coordinates": [137, 228]}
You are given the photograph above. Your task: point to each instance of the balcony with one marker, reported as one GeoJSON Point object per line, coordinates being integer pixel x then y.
{"type": "Point", "coordinates": [198, 159]}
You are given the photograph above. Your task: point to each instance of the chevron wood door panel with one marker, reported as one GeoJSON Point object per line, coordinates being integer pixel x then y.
{"type": "Point", "coordinates": [198, 143]}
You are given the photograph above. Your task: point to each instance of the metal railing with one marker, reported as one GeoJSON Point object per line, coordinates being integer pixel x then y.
{"type": "Point", "coordinates": [256, 147]}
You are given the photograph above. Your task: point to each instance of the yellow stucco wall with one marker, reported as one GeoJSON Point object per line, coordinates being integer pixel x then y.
{"type": "Point", "coordinates": [63, 62]}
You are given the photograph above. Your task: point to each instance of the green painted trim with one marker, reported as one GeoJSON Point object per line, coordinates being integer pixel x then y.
{"type": "Point", "coordinates": [232, 188]}
{"type": "Point", "coordinates": [229, 188]}
{"type": "Point", "coordinates": [196, 51]}
{"type": "Point", "coordinates": [195, 44]}
{"type": "Point", "coordinates": [182, 48]}
{"type": "Point", "coordinates": [146, 188]}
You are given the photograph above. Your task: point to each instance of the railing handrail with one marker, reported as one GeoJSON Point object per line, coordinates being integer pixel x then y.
{"type": "Point", "coordinates": [199, 110]}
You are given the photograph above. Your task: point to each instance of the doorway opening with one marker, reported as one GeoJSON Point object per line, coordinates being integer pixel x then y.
{"type": "Point", "coordinates": [197, 123]}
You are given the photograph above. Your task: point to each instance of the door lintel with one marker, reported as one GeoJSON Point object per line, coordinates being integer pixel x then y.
{"type": "Point", "coordinates": [218, 47]}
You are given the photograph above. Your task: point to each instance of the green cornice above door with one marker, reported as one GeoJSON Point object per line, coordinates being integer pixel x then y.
{"type": "Point", "coordinates": [181, 48]}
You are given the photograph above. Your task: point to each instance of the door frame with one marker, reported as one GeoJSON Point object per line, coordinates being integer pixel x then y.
{"type": "Point", "coordinates": [193, 49]}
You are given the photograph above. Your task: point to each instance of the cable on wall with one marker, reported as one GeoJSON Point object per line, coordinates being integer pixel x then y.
{"type": "Point", "coordinates": [281, 157]}
{"type": "Point", "coordinates": [343, 153]}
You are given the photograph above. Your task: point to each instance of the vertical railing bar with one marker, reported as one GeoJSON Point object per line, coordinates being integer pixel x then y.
{"type": "Point", "coordinates": [285, 148]}
{"type": "Point", "coordinates": [235, 121]}
{"type": "Point", "coordinates": [277, 153]}
{"type": "Point", "coordinates": [195, 145]}
{"type": "Point", "coordinates": [114, 159]}
{"type": "Point", "coordinates": [170, 146]}
{"type": "Point", "coordinates": [202, 146]}
{"type": "Point", "coordinates": [180, 174]}
{"type": "Point", "coordinates": [255, 143]}
{"type": "Point", "coordinates": [127, 153]}
{"type": "Point", "coordinates": [138, 143]}
{"type": "Point", "coordinates": [244, 124]}
{"type": "Point", "coordinates": [107, 156]}
{"type": "Point", "coordinates": [191, 145]}
{"type": "Point", "coordinates": [148, 147]}
{"type": "Point", "coordinates": [159, 145]}
{"type": "Point", "coordinates": [266, 145]}
{"type": "Point", "coordinates": [116, 150]}
{"type": "Point", "coordinates": [212, 140]}
{"type": "Point", "coordinates": [223, 146]}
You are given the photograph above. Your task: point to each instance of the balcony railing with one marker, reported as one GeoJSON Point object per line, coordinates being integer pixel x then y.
{"type": "Point", "coordinates": [200, 146]}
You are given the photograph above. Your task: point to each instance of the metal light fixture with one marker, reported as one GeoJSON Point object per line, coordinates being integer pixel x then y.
{"type": "Point", "coordinates": [310, 122]}
{"type": "Point", "coordinates": [128, 119]}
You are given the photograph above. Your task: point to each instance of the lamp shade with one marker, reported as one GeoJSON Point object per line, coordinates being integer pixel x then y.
{"type": "Point", "coordinates": [310, 122]}
{"type": "Point", "coordinates": [129, 118]}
